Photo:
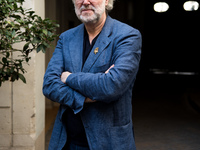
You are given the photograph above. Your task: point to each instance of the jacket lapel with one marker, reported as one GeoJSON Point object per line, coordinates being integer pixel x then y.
{"type": "Point", "coordinates": [100, 45]}
{"type": "Point", "coordinates": [76, 49]}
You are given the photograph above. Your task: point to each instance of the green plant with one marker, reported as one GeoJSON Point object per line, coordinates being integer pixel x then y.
{"type": "Point", "coordinates": [21, 25]}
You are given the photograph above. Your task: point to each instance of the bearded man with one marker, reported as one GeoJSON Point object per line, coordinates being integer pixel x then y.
{"type": "Point", "coordinates": [91, 75]}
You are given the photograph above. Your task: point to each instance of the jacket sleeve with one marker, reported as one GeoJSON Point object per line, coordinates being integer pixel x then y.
{"type": "Point", "coordinates": [108, 87]}
{"type": "Point", "coordinates": [54, 89]}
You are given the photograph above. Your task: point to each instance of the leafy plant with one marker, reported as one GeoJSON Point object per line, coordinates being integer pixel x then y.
{"type": "Point", "coordinates": [21, 25]}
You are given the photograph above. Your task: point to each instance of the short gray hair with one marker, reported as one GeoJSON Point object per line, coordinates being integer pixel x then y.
{"type": "Point", "coordinates": [109, 7]}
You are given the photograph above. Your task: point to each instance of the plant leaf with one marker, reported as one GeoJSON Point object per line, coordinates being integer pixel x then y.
{"type": "Point", "coordinates": [26, 46]}
{"type": "Point", "coordinates": [22, 77]}
{"type": "Point", "coordinates": [13, 33]}
{"type": "Point", "coordinates": [45, 31]}
{"type": "Point", "coordinates": [4, 60]}
{"type": "Point", "coordinates": [7, 54]}
{"type": "Point", "coordinates": [40, 47]}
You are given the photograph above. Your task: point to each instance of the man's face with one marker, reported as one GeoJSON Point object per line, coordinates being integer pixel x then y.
{"type": "Point", "coordinates": [90, 11]}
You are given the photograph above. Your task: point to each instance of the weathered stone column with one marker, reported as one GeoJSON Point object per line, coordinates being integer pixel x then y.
{"type": "Point", "coordinates": [22, 106]}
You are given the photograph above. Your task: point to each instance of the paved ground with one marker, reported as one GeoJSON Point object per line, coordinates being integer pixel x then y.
{"type": "Point", "coordinates": [165, 120]}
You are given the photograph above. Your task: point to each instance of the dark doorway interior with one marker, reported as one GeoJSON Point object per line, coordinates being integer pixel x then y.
{"type": "Point", "coordinates": [171, 38]}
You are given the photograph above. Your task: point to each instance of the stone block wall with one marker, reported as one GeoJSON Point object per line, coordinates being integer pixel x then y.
{"type": "Point", "coordinates": [22, 106]}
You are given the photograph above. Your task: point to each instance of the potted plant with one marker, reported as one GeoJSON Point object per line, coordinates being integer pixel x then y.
{"type": "Point", "coordinates": [21, 25]}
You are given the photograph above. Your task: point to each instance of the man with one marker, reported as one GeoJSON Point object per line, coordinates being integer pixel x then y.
{"type": "Point", "coordinates": [91, 75]}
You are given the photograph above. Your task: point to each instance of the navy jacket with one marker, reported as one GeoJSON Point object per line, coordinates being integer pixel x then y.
{"type": "Point", "coordinates": [107, 122]}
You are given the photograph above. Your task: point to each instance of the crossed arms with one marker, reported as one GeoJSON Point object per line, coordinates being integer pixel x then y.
{"type": "Point", "coordinates": [83, 87]}
{"type": "Point", "coordinates": [65, 75]}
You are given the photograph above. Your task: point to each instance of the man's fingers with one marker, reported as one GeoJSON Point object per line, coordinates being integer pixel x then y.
{"type": "Point", "coordinates": [109, 68]}
{"type": "Point", "coordinates": [64, 76]}
{"type": "Point", "coordinates": [88, 100]}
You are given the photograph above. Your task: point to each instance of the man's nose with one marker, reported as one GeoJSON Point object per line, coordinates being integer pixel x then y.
{"type": "Point", "coordinates": [86, 2]}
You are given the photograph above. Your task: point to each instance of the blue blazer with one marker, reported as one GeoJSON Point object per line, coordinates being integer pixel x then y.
{"type": "Point", "coordinates": [107, 122]}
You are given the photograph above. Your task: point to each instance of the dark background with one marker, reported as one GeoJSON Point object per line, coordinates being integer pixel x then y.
{"type": "Point", "coordinates": [170, 42]}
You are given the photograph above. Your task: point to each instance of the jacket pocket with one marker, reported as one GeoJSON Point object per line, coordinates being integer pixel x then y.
{"type": "Point", "coordinates": [122, 137]}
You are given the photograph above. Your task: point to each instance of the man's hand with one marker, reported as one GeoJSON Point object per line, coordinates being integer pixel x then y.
{"type": "Point", "coordinates": [88, 100]}
{"type": "Point", "coordinates": [109, 69]}
{"type": "Point", "coordinates": [64, 76]}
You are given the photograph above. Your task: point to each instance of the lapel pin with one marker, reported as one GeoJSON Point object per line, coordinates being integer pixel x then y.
{"type": "Point", "coordinates": [96, 50]}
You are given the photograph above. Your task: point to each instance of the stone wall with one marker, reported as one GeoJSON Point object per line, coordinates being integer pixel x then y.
{"type": "Point", "coordinates": [22, 106]}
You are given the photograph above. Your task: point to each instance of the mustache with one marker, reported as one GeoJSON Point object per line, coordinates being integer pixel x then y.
{"type": "Point", "coordinates": [87, 7]}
